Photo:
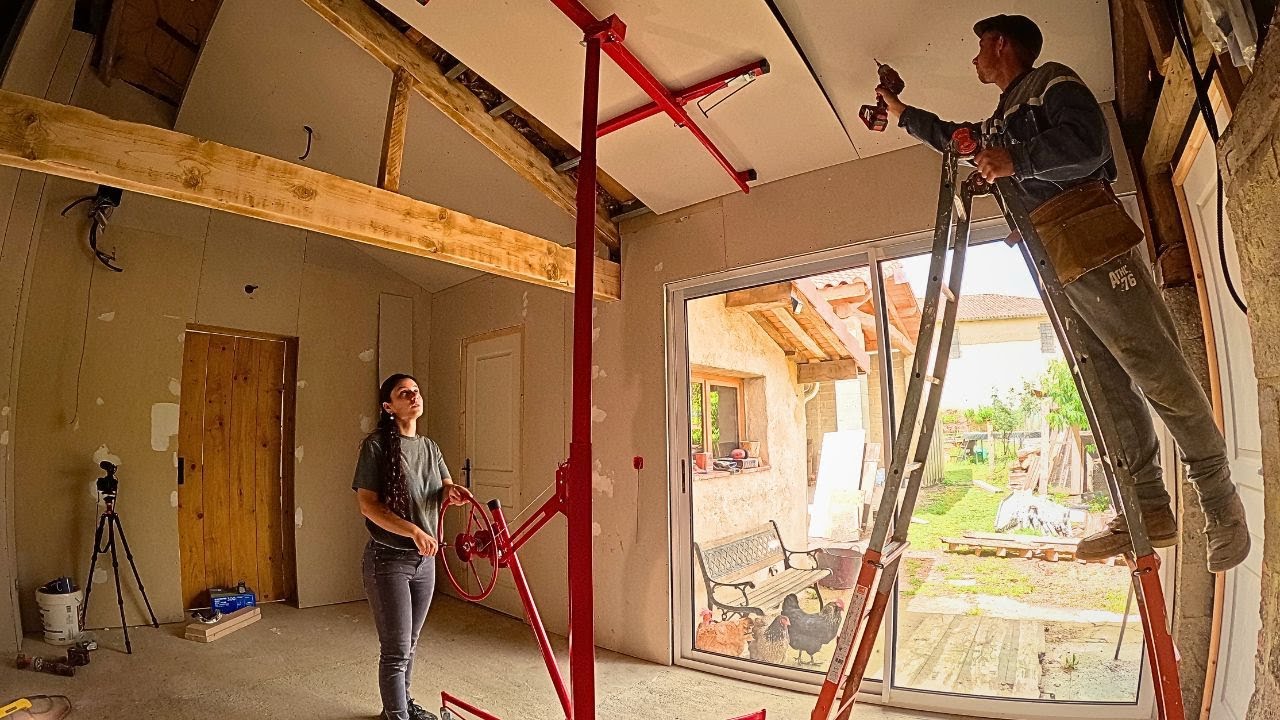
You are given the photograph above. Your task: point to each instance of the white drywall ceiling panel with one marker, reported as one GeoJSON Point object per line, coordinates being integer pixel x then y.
{"type": "Point", "coordinates": [931, 44]}
{"type": "Point", "coordinates": [781, 125]}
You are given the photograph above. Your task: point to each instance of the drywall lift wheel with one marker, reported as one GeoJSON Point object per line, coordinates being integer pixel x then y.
{"type": "Point", "coordinates": [472, 545]}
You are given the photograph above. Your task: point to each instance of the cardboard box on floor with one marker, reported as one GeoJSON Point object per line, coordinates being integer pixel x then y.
{"type": "Point", "coordinates": [208, 632]}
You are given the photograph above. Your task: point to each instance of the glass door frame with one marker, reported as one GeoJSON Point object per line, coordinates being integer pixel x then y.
{"type": "Point", "coordinates": [870, 254]}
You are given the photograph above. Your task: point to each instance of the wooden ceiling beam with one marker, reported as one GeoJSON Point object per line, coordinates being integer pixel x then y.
{"type": "Point", "coordinates": [393, 136]}
{"type": "Point", "coordinates": [75, 143]}
{"type": "Point", "coordinates": [372, 32]}
{"type": "Point", "coordinates": [827, 316]}
{"type": "Point", "coordinates": [831, 370]}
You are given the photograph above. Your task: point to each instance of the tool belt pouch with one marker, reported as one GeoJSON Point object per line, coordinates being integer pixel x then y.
{"type": "Point", "coordinates": [1084, 228]}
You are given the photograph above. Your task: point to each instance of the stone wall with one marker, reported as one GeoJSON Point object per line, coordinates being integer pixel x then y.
{"type": "Point", "coordinates": [1249, 153]}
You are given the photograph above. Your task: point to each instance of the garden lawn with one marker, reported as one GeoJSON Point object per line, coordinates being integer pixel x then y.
{"type": "Point", "coordinates": [956, 505]}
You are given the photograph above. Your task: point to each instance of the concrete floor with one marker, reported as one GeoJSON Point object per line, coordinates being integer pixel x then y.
{"type": "Point", "coordinates": [320, 664]}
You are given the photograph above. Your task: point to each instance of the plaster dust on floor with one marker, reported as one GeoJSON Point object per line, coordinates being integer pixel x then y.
{"type": "Point", "coordinates": [321, 663]}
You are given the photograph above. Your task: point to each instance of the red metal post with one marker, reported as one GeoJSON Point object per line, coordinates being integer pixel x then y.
{"type": "Point", "coordinates": [453, 703]}
{"type": "Point", "coordinates": [684, 97]}
{"type": "Point", "coordinates": [512, 562]}
{"type": "Point", "coordinates": [582, 17]}
{"type": "Point", "coordinates": [582, 657]}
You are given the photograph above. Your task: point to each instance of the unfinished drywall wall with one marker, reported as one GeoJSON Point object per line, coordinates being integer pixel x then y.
{"type": "Point", "coordinates": [46, 63]}
{"type": "Point", "coordinates": [103, 349]}
{"type": "Point", "coordinates": [475, 308]}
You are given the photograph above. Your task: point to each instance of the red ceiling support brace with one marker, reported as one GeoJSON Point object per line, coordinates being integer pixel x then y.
{"type": "Point", "coordinates": [686, 96]}
{"type": "Point", "coordinates": [662, 97]}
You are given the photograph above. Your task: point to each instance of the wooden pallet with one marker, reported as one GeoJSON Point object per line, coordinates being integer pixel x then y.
{"type": "Point", "coordinates": [1049, 549]}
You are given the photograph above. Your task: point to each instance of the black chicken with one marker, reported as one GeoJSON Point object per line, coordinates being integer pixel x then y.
{"type": "Point", "coordinates": [810, 631]}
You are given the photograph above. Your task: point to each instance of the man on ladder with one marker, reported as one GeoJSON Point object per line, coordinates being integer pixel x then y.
{"type": "Point", "coordinates": [1058, 153]}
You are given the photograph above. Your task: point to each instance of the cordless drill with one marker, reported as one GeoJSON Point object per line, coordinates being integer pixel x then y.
{"type": "Point", "coordinates": [876, 117]}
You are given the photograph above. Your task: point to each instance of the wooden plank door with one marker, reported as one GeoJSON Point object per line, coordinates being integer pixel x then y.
{"type": "Point", "coordinates": [231, 485]}
{"type": "Point", "coordinates": [493, 398]}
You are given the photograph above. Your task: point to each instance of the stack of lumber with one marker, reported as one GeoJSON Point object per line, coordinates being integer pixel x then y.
{"type": "Point", "coordinates": [1051, 549]}
{"type": "Point", "coordinates": [227, 624]}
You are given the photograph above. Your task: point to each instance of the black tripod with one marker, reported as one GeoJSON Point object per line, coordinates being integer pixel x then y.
{"type": "Point", "coordinates": [111, 521]}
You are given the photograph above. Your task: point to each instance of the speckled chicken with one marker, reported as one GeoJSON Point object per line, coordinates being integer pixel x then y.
{"type": "Point", "coordinates": [768, 641]}
{"type": "Point", "coordinates": [810, 631]}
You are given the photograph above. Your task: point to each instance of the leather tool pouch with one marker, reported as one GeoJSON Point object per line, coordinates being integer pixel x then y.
{"type": "Point", "coordinates": [1084, 228]}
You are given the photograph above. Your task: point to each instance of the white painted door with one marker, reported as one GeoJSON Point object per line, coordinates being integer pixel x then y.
{"type": "Point", "coordinates": [1241, 620]}
{"type": "Point", "coordinates": [494, 392]}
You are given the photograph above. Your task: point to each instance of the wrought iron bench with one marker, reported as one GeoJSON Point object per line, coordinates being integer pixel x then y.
{"type": "Point", "coordinates": [729, 562]}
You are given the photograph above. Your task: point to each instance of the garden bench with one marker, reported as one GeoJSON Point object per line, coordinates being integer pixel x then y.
{"type": "Point", "coordinates": [729, 562]}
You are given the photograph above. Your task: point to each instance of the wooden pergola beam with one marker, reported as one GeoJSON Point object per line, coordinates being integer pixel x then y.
{"type": "Point", "coordinates": [375, 35]}
{"type": "Point", "coordinates": [819, 305]}
{"type": "Point", "coordinates": [75, 143]}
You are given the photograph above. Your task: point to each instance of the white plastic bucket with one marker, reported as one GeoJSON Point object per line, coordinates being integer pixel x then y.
{"type": "Point", "coordinates": [60, 616]}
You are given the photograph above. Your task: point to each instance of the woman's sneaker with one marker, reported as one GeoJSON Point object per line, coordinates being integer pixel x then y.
{"type": "Point", "coordinates": [1227, 535]}
{"type": "Point", "coordinates": [417, 712]}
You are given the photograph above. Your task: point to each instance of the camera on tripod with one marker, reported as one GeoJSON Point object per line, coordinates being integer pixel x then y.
{"type": "Point", "coordinates": [109, 484]}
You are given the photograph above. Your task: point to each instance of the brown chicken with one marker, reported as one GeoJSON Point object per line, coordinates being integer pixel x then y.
{"type": "Point", "coordinates": [728, 637]}
{"type": "Point", "coordinates": [769, 642]}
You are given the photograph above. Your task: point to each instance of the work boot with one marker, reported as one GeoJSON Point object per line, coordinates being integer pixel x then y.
{"type": "Point", "coordinates": [1227, 535]}
{"type": "Point", "coordinates": [1162, 529]}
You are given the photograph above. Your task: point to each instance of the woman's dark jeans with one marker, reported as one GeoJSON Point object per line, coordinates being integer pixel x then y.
{"type": "Point", "coordinates": [399, 584]}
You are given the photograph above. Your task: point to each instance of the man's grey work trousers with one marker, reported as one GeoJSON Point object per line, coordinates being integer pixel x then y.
{"type": "Point", "coordinates": [1130, 338]}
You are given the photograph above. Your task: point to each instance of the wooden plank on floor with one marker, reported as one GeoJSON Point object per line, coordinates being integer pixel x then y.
{"type": "Point", "coordinates": [270, 364]}
{"type": "Point", "coordinates": [1029, 669]}
{"type": "Point", "coordinates": [921, 652]}
{"type": "Point", "coordinates": [979, 670]}
{"type": "Point", "coordinates": [244, 441]}
{"type": "Point", "coordinates": [217, 462]}
{"type": "Point", "coordinates": [195, 355]}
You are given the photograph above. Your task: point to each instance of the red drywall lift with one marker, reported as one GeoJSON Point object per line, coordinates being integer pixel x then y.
{"type": "Point", "coordinates": [486, 536]}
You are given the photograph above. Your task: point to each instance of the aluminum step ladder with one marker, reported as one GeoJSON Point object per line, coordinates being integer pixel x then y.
{"type": "Point", "coordinates": [915, 429]}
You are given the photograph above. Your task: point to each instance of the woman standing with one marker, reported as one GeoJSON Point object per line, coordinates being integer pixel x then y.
{"type": "Point", "coordinates": [400, 481]}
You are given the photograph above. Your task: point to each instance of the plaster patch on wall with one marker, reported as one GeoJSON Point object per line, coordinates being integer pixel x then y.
{"type": "Point", "coordinates": [75, 426]}
{"type": "Point", "coordinates": [368, 355]}
{"type": "Point", "coordinates": [99, 402]}
{"type": "Point", "coordinates": [182, 339]}
{"type": "Point", "coordinates": [99, 575]}
{"type": "Point", "coordinates": [657, 268]}
{"type": "Point", "coordinates": [524, 305]}
{"type": "Point", "coordinates": [173, 499]}
{"type": "Point", "coordinates": [164, 424]}
{"type": "Point", "coordinates": [107, 316]}
{"type": "Point", "coordinates": [302, 384]}
{"type": "Point", "coordinates": [595, 371]}
{"type": "Point", "coordinates": [595, 334]}
{"type": "Point", "coordinates": [102, 453]}
{"type": "Point", "coordinates": [297, 517]}
{"type": "Point", "coordinates": [366, 424]}
{"type": "Point", "coordinates": [601, 482]}
{"type": "Point", "coordinates": [175, 459]}
{"type": "Point", "coordinates": [596, 529]}
{"type": "Point", "coordinates": [175, 387]}
{"type": "Point", "coordinates": [604, 374]}
{"type": "Point", "coordinates": [598, 415]}
{"type": "Point", "coordinates": [171, 317]}
{"type": "Point", "coordinates": [4, 411]}
{"type": "Point", "coordinates": [4, 437]}
{"type": "Point", "coordinates": [297, 453]}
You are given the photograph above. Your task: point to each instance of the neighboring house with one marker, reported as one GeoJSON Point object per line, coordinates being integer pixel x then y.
{"type": "Point", "coordinates": [1001, 342]}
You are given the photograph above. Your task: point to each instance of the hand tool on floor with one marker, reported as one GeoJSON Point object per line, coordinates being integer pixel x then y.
{"type": "Point", "coordinates": [914, 433]}
{"type": "Point", "coordinates": [876, 117]}
{"type": "Point", "coordinates": [37, 707]}
{"type": "Point", "coordinates": [39, 664]}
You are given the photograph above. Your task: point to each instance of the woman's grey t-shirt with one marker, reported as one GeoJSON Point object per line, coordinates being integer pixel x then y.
{"type": "Point", "coordinates": [425, 473]}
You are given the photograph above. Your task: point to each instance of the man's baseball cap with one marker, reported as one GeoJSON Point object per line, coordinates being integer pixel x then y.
{"type": "Point", "coordinates": [1018, 28]}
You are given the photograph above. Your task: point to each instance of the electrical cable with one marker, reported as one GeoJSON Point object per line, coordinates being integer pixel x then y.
{"type": "Point", "coordinates": [706, 112]}
{"type": "Point", "coordinates": [100, 210]}
{"type": "Point", "coordinates": [1182, 32]}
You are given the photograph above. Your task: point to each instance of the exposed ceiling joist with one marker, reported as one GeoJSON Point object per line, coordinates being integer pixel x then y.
{"type": "Point", "coordinates": [370, 31]}
{"type": "Point", "coordinates": [75, 143]}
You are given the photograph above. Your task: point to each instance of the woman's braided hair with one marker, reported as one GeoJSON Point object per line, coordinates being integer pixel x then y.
{"type": "Point", "coordinates": [395, 488]}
